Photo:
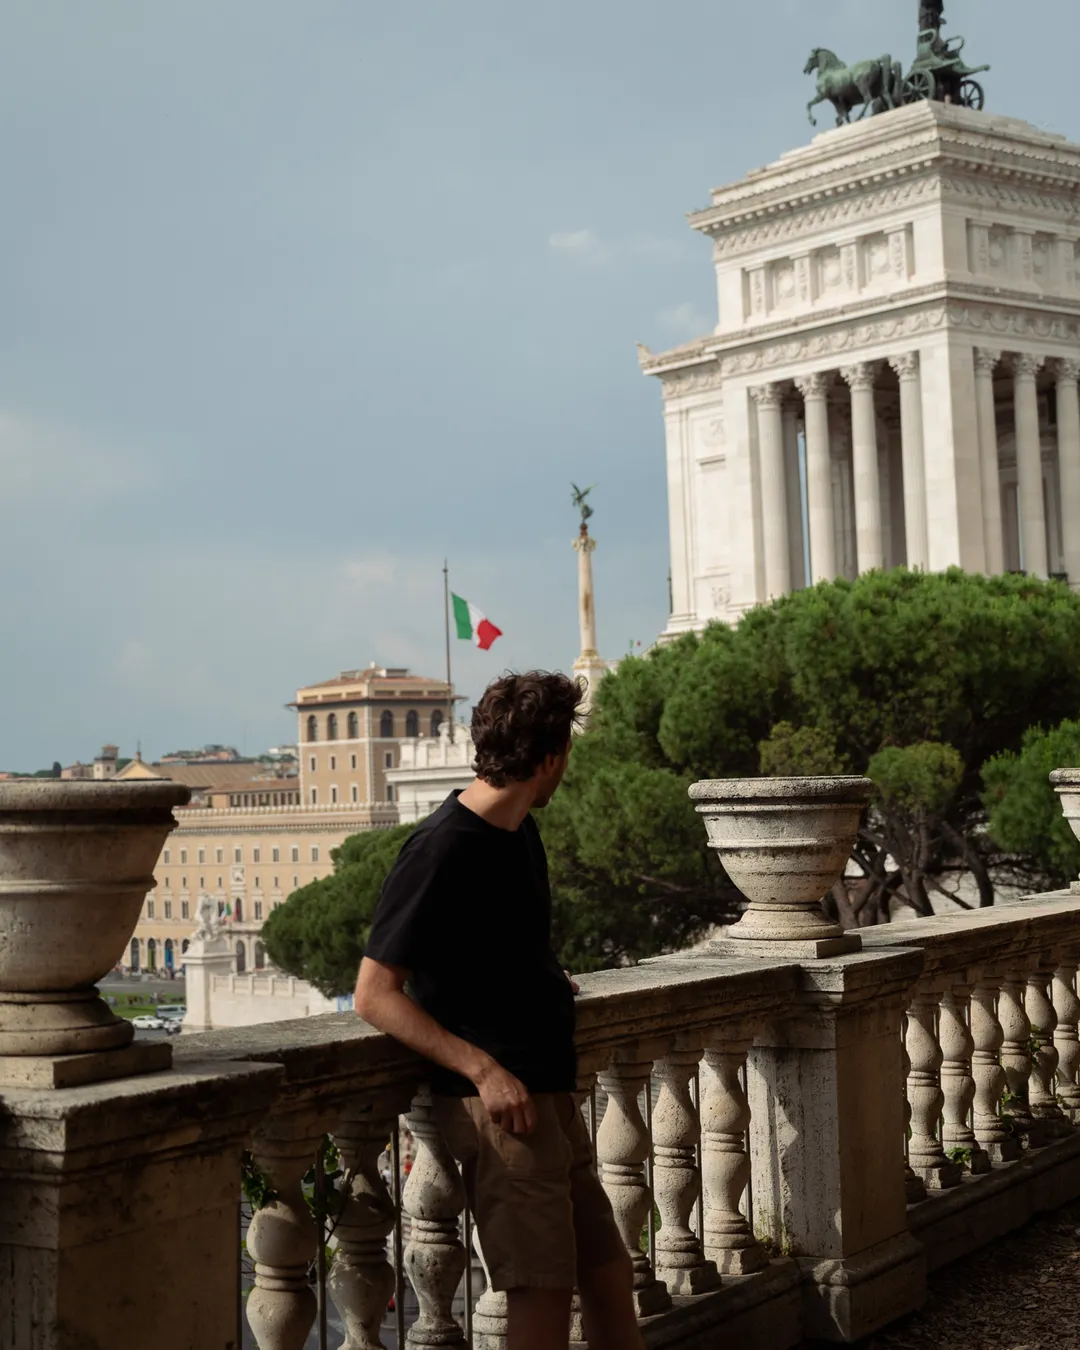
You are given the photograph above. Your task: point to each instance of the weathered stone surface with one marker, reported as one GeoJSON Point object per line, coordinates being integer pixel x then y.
{"type": "Point", "coordinates": [119, 1209]}
{"type": "Point", "coordinates": [68, 1071]}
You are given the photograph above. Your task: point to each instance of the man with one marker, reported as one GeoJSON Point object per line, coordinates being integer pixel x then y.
{"type": "Point", "coordinates": [465, 918]}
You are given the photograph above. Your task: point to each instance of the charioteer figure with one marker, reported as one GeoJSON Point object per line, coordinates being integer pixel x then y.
{"type": "Point", "coordinates": [940, 72]}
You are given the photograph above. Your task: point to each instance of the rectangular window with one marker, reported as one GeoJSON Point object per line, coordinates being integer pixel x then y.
{"type": "Point", "coordinates": [295, 882]}
{"type": "Point", "coordinates": [167, 883]}
{"type": "Point", "coordinates": [202, 855]}
{"type": "Point", "coordinates": [165, 856]}
{"type": "Point", "coordinates": [183, 855]}
{"type": "Point", "coordinates": [276, 886]}
{"type": "Point", "coordinates": [238, 855]}
{"type": "Point", "coordinates": [353, 759]}
{"type": "Point", "coordinates": [312, 763]}
{"type": "Point", "coordinates": [389, 759]}
{"type": "Point", "coordinates": [185, 910]}
{"type": "Point", "coordinates": [219, 883]}
{"type": "Point", "coordinates": [168, 909]}
{"type": "Point", "coordinates": [295, 851]}
{"type": "Point", "coordinates": [275, 855]}
{"type": "Point", "coordinates": [355, 793]}
{"type": "Point", "coordinates": [333, 794]}
{"type": "Point", "coordinates": [257, 886]}
{"type": "Point", "coordinates": [183, 883]}
{"type": "Point", "coordinates": [389, 792]}
{"type": "Point", "coordinates": [314, 853]}
{"type": "Point", "coordinates": [333, 761]}
{"type": "Point", "coordinates": [258, 909]}
{"type": "Point", "coordinates": [149, 909]}
{"type": "Point", "coordinates": [202, 883]}
{"type": "Point", "coordinates": [256, 855]}
{"type": "Point", "coordinates": [314, 796]}
{"type": "Point", "coordinates": [220, 855]}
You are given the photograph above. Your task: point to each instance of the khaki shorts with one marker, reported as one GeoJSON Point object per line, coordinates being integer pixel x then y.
{"type": "Point", "coordinates": [541, 1215]}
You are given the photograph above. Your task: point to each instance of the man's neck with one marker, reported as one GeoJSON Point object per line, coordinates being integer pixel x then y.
{"type": "Point", "coordinates": [504, 807]}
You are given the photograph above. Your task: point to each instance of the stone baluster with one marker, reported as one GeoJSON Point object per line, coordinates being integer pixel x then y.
{"type": "Point", "coordinates": [1066, 1038]}
{"type": "Point", "coordinates": [490, 1315]}
{"type": "Point", "coordinates": [361, 1279]}
{"type": "Point", "coordinates": [622, 1146]}
{"type": "Point", "coordinates": [914, 1190]}
{"type": "Point", "coordinates": [1016, 1058]}
{"type": "Point", "coordinates": [725, 1163]}
{"type": "Point", "coordinates": [957, 1082]}
{"type": "Point", "coordinates": [1042, 1097]}
{"type": "Point", "coordinates": [925, 1153]}
{"type": "Point", "coordinates": [993, 1135]}
{"type": "Point", "coordinates": [435, 1256]}
{"type": "Point", "coordinates": [281, 1238]}
{"type": "Point", "coordinates": [676, 1178]}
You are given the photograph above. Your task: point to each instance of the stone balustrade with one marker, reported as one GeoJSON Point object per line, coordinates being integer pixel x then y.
{"type": "Point", "coordinates": [791, 1138]}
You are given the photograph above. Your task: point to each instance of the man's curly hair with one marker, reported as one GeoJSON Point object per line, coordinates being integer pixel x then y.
{"type": "Point", "coordinates": [520, 720]}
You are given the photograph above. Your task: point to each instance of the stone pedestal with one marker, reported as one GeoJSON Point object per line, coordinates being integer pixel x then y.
{"type": "Point", "coordinates": [826, 1088]}
{"type": "Point", "coordinates": [119, 1208]}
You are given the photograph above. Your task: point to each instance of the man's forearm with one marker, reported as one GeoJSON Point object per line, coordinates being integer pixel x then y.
{"type": "Point", "coordinates": [394, 1013]}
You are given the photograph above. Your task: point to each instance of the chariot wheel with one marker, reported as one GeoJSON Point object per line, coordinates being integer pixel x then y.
{"type": "Point", "coordinates": [920, 84]}
{"type": "Point", "coordinates": [972, 95]}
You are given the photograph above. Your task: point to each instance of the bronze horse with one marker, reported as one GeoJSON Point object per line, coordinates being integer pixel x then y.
{"type": "Point", "coordinates": [877, 85]}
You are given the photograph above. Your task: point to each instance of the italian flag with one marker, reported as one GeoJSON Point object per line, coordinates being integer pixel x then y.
{"type": "Point", "coordinates": [473, 625]}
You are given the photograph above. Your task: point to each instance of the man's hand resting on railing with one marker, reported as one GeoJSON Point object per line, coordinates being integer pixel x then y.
{"type": "Point", "coordinates": [381, 1000]}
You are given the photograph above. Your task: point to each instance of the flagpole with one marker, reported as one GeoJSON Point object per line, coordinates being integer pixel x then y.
{"type": "Point", "coordinates": [446, 616]}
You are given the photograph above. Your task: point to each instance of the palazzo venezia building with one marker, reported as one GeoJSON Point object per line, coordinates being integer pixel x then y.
{"type": "Point", "coordinates": [893, 377]}
{"type": "Point", "coordinates": [249, 842]}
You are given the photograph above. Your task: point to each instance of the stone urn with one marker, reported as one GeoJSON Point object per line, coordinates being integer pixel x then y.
{"type": "Point", "coordinates": [76, 863]}
{"type": "Point", "coordinates": [1067, 785]}
{"type": "Point", "coordinates": [784, 842]}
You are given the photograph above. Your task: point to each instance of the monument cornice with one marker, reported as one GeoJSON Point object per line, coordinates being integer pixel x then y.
{"type": "Point", "coordinates": [848, 335]}
{"type": "Point", "coordinates": [808, 192]}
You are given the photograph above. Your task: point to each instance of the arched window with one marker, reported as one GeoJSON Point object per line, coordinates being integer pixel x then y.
{"type": "Point", "coordinates": [238, 911]}
{"type": "Point", "coordinates": [169, 958]}
{"type": "Point", "coordinates": [151, 954]}
{"type": "Point", "coordinates": [260, 956]}
{"type": "Point", "coordinates": [354, 727]}
{"type": "Point", "coordinates": [386, 723]}
{"type": "Point", "coordinates": [241, 958]}
{"type": "Point", "coordinates": [331, 727]}
{"type": "Point", "coordinates": [134, 954]}
{"type": "Point", "coordinates": [313, 728]}
{"type": "Point", "coordinates": [436, 722]}
{"type": "Point", "coordinates": [184, 946]}
{"type": "Point", "coordinates": [412, 724]}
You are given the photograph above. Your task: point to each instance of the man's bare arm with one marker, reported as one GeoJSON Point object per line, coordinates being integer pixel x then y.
{"type": "Point", "coordinates": [381, 1000]}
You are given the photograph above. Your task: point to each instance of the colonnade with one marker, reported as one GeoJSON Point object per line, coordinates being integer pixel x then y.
{"type": "Point", "coordinates": [778, 501]}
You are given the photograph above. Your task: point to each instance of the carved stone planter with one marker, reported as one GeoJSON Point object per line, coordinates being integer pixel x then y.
{"type": "Point", "coordinates": [76, 863]}
{"type": "Point", "coordinates": [1067, 784]}
{"type": "Point", "coordinates": [784, 843]}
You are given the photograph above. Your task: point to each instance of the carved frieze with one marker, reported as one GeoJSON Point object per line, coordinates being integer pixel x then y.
{"type": "Point", "coordinates": [698, 380]}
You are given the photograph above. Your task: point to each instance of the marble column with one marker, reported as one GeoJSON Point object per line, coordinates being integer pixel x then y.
{"type": "Point", "coordinates": [869, 542]}
{"type": "Point", "coordinates": [913, 456]}
{"type": "Point", "coordinates": [793, 478]}
{"type": "Point", "coordinates": [774, 515]}
{"type": "Point", "coordinates": [1029, 475]}
{"type": "Point", "coordinates": [985, 361]}
{"type": "Point", "coordinates": [1068, 423]}
{"type": "Point", "coordinates": [814, 389]}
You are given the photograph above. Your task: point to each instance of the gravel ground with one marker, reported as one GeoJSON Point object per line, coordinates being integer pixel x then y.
{"type": "Point", "coordinates": [1021, 1293]}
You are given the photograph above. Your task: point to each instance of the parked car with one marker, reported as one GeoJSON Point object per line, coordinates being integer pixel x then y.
{"type": "Point", "coordinates": [148, 1022]}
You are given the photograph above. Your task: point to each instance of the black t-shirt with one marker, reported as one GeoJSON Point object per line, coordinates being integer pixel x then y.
{"type": "Point", "coordinates": [466, 909]}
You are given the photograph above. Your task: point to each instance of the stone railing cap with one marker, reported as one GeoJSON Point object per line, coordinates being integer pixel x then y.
{"type": "Point", "coordinates": [51, 794]}
{"type": "Point", "coordinates": [845, 789]}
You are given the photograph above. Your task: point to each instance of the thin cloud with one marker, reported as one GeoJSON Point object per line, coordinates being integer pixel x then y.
{"type": "Point", "coordinates": [587, 246]}
{"type": "Point", "coordinates": [686, 320]}
{"type": "Point", "coordinates": [52, 464]}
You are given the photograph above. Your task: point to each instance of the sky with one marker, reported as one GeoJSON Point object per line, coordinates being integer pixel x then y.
{"type": "Point", "coordinates": [300, 297]}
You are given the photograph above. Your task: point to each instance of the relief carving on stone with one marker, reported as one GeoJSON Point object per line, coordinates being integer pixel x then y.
{"type": "Point", "coordinates": [906, 365]}
{"type": "Point", "coordinates": [1066, 371]}
{"type": "Point", "coordinates": [986, 360]}
{"type": "Point", "coordinates": [767, 395]}
{"type": "Point", "coordinates": [720, 595]}
{"type": "Point", "coordinates": [815, 385]}
{"type": "Point", "coordinates": [862, 375]}
{"type": "Point", "coordinates": [699, 380]}
{"type": "Point", "coordinates": [711, 434]}
{"type": "Point", "coordinates": [1026, 365]}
